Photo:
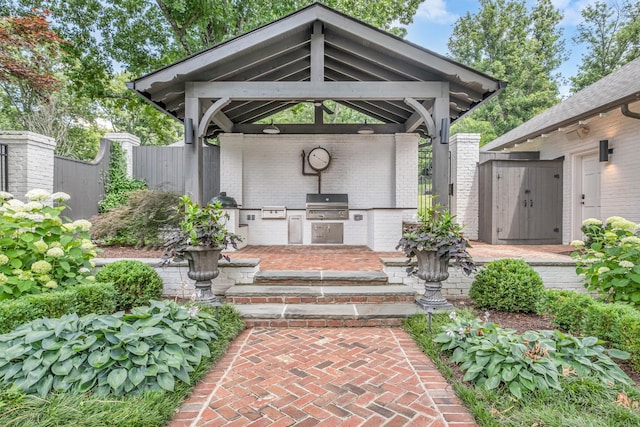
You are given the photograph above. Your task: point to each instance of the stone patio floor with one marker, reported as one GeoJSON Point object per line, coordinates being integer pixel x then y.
{"type": "Point", "coordinates": [331, 376]}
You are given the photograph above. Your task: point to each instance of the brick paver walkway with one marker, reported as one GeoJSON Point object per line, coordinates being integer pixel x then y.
{"type": "Point", "coordinates": [324, 377]}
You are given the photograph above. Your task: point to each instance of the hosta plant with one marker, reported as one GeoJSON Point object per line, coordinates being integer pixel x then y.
{"type": "Point", "coordinates": [491, 356]}
{"type": "Point", "coordinates": [609, 259]}
{"type": "Point", "coordinates": [38, 251]}
{"type": "Point", "coordinates": [145, 350]}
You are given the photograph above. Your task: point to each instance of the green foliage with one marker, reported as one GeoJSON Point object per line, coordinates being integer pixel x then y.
{"type": "Point", "coordinates": [610, 33]}
{"type": "Point", "coordinates": [146, 350]}
{"type": "Point", "coordinates": [567, 309]}
{"type": "Point", "coordinates": [438, 231]}
{"type": "Point", "coordinates": [199, 226]}
{"type": "Point", "coordinates": [38, 252]}
{"type": "Point", "coordinates": [507, 285]}
{"type": "Point", "coordinates": [117, 185]}
{"type": "Point", "coordinates": [515, 44]}
{"type": "Point", "coordinates": [491, 356]}
{"type": "Point", "coordinates": [140, 221]}
{"type": "Point", "coordinates": [97, 298]}
{"type": "Point", "coordinates": [136, 282]}
{"type": "Point", "coordinates": [609, 259]}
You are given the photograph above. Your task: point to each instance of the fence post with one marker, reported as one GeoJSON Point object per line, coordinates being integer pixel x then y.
{"type": "Point", "coordinates": [127, 142]}
{"type": "Point", "coordinates": [465, 154]}
{"type": "Point", "coordinates": [30, 161]}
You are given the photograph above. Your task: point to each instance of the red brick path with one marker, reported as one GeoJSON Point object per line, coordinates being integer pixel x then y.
{"type": "Point", "coordinates": [328, 377]}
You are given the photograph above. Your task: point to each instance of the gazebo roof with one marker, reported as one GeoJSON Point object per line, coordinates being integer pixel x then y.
{"type": "Point", "coordinates": [273, 67]}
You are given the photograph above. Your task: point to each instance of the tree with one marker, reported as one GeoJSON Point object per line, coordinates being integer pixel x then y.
{"type": "Point", "coordinates": [509, 42]}
{"type": "Point", "coordinates": [611, 34]}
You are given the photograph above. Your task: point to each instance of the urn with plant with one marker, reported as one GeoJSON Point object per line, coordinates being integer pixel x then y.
{"type": "Point", "coordinates": [200, 239]}
{"type": "Point", "coordinates": [436, 240]}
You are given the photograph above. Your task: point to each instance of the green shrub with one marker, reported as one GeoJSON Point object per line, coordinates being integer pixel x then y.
{"type": "Point", "coordinates": [567, 309]}
{"type": "Point", "coordinates": [136, 282]}
{"type": "Point", "coordinates": [146, 350]}
{"type": "Point", "coordinates": [140, 221]}
{"type": "Point", "coordinates": [609, 259]}
{"type": "Point", "coordinates": [98, 298]}
{"type": "Point", "coordinates": [535, 360]}
{"type": "Point", "coordinates": [507, 285]}
{"type": "Point", "coordinates": [38, 252]}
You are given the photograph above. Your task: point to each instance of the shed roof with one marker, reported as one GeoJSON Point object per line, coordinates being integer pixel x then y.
{"type": "Point", "coordinates": [352, 51]}
{"type": "Point", "coordinates": [620, 87]}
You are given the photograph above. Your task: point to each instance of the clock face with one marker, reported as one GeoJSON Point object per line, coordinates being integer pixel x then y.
{"type": "Point", "coordinates": [319, 159]}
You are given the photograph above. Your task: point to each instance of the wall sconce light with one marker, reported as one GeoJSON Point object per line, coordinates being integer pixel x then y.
{"type": "Point", "coordinates": [188, 131]}
{"type": "Point", "coordinates": [605, 150]}
{"type": "Point", "coordinates": [365, 129]}
{"type": "Point", "coordinates": [444, 130]}
{"type": "Point", "coordinates": [271, 129]}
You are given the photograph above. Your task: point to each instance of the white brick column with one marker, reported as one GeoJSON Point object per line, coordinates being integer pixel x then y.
{"type": "Point", "coordinates": [465, 154]}
{"type": "Point", "coordinates": [30, 161]}
{"type": "Point", "coordinates": [127, 142]}
{"type": "Point", "coordinates": [406, 170]}
{"type": "Point", "coordinates": [231, 165]}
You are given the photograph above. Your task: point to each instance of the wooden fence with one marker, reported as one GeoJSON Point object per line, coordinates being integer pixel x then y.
{"type": "Point", "coordinates": [160, 167]}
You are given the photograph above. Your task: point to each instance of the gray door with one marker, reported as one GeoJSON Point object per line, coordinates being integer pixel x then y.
{"type": "Point", "coordinates": [295, 230]}
{"type": "Point", "coordinates": [510, 209]}
{"type": "Point", "coordinates": [544, 204]}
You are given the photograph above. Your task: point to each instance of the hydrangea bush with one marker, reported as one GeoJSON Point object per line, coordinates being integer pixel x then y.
{"type": "Point", "coordinates": [609, 258]}
{"type": "Point", "coordinates": [38, 252]}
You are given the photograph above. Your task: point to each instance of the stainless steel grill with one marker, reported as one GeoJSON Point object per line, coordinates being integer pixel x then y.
{"type": "Point", "coordinates": [327, 206]}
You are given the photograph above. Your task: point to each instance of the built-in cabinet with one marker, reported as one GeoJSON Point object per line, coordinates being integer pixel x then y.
{"type": "Point", "coordinates": [520, 201]}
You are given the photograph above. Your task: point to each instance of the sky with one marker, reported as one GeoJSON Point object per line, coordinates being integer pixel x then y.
{"type": "Point", "coordinates": [433, 24]}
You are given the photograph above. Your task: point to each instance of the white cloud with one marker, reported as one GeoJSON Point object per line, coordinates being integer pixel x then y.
{"type": "Point", "coordinates": [436, 11]}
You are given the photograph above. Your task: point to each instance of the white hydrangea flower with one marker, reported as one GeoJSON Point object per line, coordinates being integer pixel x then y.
{"type": "Point", "coordinates": [92, 263]}
{"type": "Point", "coordinates": [591, 221]}
{"type": "Point", "coordinates": [33, 206]}
{"type": "Point", "coordinates": [603, 270]}
{"type": "Point", "coordinates": [613, 219]}
{"type": "Point", "coordinates": [3, 279]}
{"type": "Point", "coordinates": [44, 278]}
{"type": "Point", "coordinates": [21, 215]}
{"type": "Point", "coordinates": [626, 264]}
{"type": "Point", "coordinates": [60, 196]}
{"type": "Point", "coordinates": [25, 275]}
{"type": "Point", "coordinates": [577, 244]}
{"type": "Point", "coordinates": [55, 252]}
{"type": "Point", "coordinates": [84, 270]}
{"type": "Point", "coordinates": [87, 245]}
{"type": "Point", "coordinates": [599, 255]}
{"type": "Point", "coordinates": [630, 240]}
{"type": "Point", "coordinates": [41, 267]}
{"type": "Point", "coordinates": [36, 217]}
{"type": "Point", "coordinates": [38, 194]}
{"type": "Point", "coordinates": [82, 225]}
{"type": "Point", "coordinates": [91, 278]}
{"type": "Point", "coordinates": [51, 284]}
{"type": "Point", "coordinates": [40, 246]}
{"type": "Point", "coordinates": [3, 259]}
{"type": "Point", "coordinates": [5, 196]}
{"type": "Point", "coordinates": [55, 245]}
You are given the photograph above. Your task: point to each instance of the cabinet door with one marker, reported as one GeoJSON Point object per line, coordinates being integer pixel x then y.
{"type": "Point", "coordinates": [511, 220]}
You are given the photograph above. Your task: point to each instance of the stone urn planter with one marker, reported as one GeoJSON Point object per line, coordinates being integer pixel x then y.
{"type": "Point", "coordinates": [433, 269]}
{"type": "Point", "coordinates": [203, 268]}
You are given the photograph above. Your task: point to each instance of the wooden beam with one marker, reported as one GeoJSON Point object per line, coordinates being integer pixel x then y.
{"type": "Point", "coordinates": [372, 91]}
{"type": "Point", "coordinates": [317, 53]}
{"type": "Point", "coordinates": [347, 129]}
{"type": "Point", "coordinates": [214, 113]}
{"type": "Point", "coordinates": [424, 115]}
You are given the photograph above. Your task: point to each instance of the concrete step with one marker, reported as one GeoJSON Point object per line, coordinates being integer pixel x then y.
{"type": "Point", "coordinates": [326, 315]}
{"type": "Point", "coordinates": [320, 277]}
{"type": "Point", "coordinates": [302, 294]}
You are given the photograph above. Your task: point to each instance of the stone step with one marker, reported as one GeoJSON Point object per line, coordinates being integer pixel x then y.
{"type": "Point", "coordinates": [336, 294]}
{"type": "Point", "coordinates": [326, 315]}
{"type": "Point", "coordinates": [320, 277]}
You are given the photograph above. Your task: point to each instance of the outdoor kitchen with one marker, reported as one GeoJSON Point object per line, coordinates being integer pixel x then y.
{"type": "Point", "coordinates": [320, 189]}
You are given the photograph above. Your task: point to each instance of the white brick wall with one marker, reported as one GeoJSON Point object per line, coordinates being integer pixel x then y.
{"type": "Point", "coordinates": [30, 162]}
{"type": "Point", "coordinates": [464, 149]}
{"type": "Point", "coordinates": [127, 142]}
{"type": "Point", "coordinates": [406, 161]}
{"type": "Point", "coordinates": [620, 176]}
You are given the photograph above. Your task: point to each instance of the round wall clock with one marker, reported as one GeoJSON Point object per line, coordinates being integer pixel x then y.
{"type": "Point", "coordinates": [319, 159]}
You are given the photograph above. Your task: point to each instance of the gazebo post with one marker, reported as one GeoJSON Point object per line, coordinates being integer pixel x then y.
{"type": "Point", "coordinates": [440, 147]}
{"type": "Point", "coordinates": [193, 154]}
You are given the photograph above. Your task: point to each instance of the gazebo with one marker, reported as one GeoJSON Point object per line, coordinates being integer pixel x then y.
{"type": "Point", "coordinates": [314, 55]}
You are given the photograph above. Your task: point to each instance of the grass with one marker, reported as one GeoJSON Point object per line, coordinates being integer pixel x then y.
{"type": "Point", "coordinates": [150, 409]}
{"type": "Point", "coordinates": [583, 402]}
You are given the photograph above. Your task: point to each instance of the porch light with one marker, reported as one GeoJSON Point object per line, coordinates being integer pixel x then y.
{"type": "Point", "coordinates": [365, 129]}
{"type": "Point", "coordinates": [605, 150]}
{"type": "Point", "coordinates": [271, 129]}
